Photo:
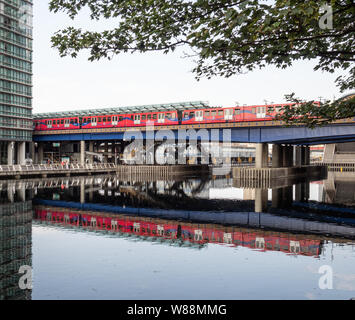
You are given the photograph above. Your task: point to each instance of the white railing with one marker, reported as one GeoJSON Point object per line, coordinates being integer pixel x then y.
{"type": "Point", "coordinates": [55, 167]}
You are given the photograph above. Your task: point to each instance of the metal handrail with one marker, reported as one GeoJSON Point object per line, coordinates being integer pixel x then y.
{"type": "Point", "coordinates": [55, 167]}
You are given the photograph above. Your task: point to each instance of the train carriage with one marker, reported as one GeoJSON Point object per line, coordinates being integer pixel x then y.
{"type": "Point", "coordinates": [153, 118]}
{"type": "Point", "coordinates": [71, 123]}
{"type": "Point", "coordinates": [185, 115]}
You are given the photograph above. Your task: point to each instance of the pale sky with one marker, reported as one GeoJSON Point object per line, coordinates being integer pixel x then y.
{"type": "Point", "coordinates": [139, 79]}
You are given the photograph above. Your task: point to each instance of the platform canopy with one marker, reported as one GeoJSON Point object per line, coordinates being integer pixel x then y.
{"type": "Point", "coordinates": [180, 106]}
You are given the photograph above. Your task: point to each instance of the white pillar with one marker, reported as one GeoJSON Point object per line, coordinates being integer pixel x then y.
{"type": "Point", "coordinates": [82, 152]}
{"type": "Point", "coordinates": [10, 153]}
{"type": "Point", "coordinates": [82, 191]}
{"type": "Point", "coordinates": [21, 153]}
{"type": "Point", "coordinates": [91, 149]}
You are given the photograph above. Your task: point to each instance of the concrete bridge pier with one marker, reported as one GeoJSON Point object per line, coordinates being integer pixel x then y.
{"type": "Point", "coordinates": [282, 156]}
{"type": "Point", "coordinates": [302, 155]}
{"type": "Point", "coordinates": [276, 197]}
{"type": "Point", "coordinates": [282, 197]}
{"type": "Point", "coordinates": [302, 192]}
{"type": "Point", "coordinates": [277, 156]}
{"type": "Point", "coordinates": [261, 155]}
{"type": "Point", "coordinates": [261, 197]}
{"type": "Point", "coordinates": [287, 196]}
{"type": "Point", "coordinates": [287, 156]}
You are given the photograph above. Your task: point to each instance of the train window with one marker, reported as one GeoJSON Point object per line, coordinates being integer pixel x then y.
{"type": "Point", "coordinates": [270, 109]}
{"type": "Point", "coordinates": [89, 120]}
{"type": "Point", "coordinates": [144, 117]}
{"type": "Point", "coordinates": [100, 119]}
{"type": "Point", "coordinates": [109, 119]}
{"type": "Point", "coordinates": [75, 120]}
{"type": "Point", "coordinates": [253, 110]}
{"type": "Point", "coordinates": [213, 113]}
{"type": "Point", "coordinates": [186, 114]}
{"type": "Point", "coordinates": [104, 119]}
{"type": "Point", "coordinates": [220, 112]}
{"type": "Point", "coordinates": [237, 111]}
{"type": "Point", "coordinates": [207, 113]}
{"type": "Point", "coordinates": [149, 116]}
{"type": "Point", "coordinates": [278, 108]}
{"type": "Point", "coordinates": [192, 114]}
{"type": "Point", "coordinates": [62, 121]}
{"type": "Point", "coordinates": [168, 116]}
{"type": "Point", "coordinates": [121, 118]}
{"type": "Point", "coordinates": [154, 116]}
{"type": "Point", "coordinates": [173, 115]}
{"type": "Point", "coordinates": [54, 122]}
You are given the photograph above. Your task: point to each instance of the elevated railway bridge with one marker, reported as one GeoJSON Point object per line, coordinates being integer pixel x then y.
{"type": "Point", "coordinates": [80, 142]}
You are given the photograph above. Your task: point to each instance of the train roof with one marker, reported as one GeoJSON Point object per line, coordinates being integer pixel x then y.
{"type": "Point", "coordinates": [179, 106]}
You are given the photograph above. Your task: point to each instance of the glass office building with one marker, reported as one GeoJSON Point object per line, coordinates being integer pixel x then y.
{"type": "Point", "coordinates": [15, 80]}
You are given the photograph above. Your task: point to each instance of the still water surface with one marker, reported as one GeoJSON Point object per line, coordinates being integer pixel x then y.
{"type": "Point", "coordinates": [101, 238]}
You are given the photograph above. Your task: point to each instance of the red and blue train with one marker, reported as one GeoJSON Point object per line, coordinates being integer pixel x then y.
{"type": "Point", "coordinates": [163, 118]}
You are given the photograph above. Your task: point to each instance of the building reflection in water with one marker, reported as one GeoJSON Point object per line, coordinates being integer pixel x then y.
{"type": "Point", "coordinates": [15, 242]}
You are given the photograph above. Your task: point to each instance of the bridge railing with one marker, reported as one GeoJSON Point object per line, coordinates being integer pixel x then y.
{"type": "Point", "coordinates": [55, 167]}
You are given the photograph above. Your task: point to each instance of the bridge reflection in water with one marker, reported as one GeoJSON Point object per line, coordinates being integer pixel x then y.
{"type": "Point", "coordinates": [183, 213]}
{"type": "Point", "coordinates": [192, 213]}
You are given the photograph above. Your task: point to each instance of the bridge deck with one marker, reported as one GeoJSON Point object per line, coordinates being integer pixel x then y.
{"type": "Point", "coordinates": [243, 132]}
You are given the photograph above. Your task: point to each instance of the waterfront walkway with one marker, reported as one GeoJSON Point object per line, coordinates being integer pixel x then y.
{"type": "Point", "coordinates": [45, 170]}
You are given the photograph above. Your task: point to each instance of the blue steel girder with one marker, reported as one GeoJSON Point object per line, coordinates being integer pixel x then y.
{"type": "Point", "coordinates": [287, 135]}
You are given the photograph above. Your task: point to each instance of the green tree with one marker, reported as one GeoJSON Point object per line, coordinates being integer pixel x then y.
{"type": "Point", "coordinates": [226, 37]}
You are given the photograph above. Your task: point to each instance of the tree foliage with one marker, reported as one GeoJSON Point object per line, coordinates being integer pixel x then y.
{"type": "Point", "coordinates": [316, 113]}
{"type": "Point", "coordinates": [227, 37]}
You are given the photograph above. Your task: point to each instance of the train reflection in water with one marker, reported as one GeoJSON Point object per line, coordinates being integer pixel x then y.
{"type": "Point", "coordinates": [183, 232]}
